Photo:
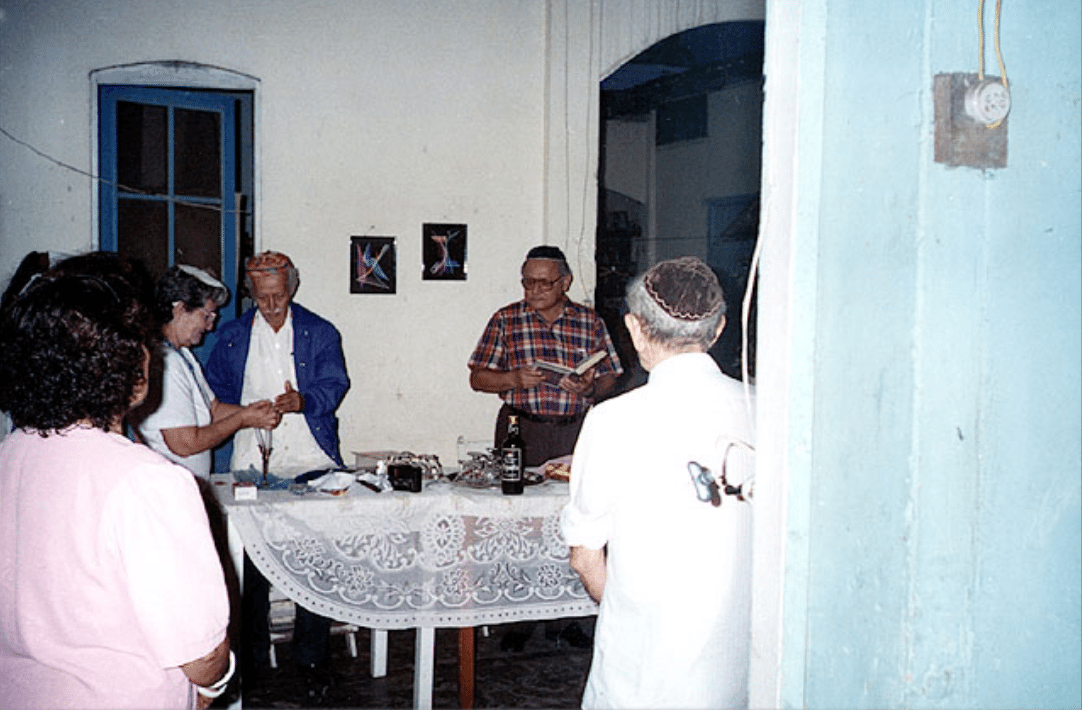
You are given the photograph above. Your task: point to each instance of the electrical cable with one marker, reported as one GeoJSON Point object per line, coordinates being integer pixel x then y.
{"type": "Point", "coordinates": [120, 187]}
{"type": "Point", "coordinates": [980, 40]}
{"type": "Point", "coordinates": [586, 173]}
{"type": "Point", "coordinates": [999, 53]}
{"type": "Point", "coordinates": [580, 239]}
{"type": "Point", "coordinates": [745, 317]}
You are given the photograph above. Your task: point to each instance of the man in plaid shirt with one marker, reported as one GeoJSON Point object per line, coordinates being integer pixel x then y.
{"type": "Point", "coordinates": [544, 326]}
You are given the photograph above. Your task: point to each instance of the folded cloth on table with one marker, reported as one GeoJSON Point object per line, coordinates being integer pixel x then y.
{"type": "Point", "coordinates": [273, 483]}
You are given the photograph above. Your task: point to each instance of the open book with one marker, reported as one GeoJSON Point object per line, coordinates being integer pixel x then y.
{"type": "Point", "coordinates": [553, 372]}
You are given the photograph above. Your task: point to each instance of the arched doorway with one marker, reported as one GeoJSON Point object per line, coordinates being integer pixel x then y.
{"type": "Point", "coordinates": [678, 172]}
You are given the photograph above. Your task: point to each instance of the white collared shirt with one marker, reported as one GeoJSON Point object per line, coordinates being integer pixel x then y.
{"type": "Point", "coordinates": [673, 629]}
{"type": "Point", "coordinates": [269, 366]}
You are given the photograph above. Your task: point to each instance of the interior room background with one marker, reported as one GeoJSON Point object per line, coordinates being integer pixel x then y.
{"type": "Point", "coordinates": [917, 359]}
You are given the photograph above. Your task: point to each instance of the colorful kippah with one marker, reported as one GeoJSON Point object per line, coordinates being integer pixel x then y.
{"type": "Point", "coordinates": [685, 288]}
{"type": "Point", "coordinates": [267, 262]}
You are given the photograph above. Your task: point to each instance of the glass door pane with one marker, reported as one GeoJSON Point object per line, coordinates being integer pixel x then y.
{"type": "Point", "coordinates": [142, 148]}
{"type": "Point", "coordinates": [170, 165]}
{"type": "Point", "coordinates": [197, 150]}
{"type": "Point", "coordinates": [143, 233]}
{"type": "Point", "coordinates": [197, 237]}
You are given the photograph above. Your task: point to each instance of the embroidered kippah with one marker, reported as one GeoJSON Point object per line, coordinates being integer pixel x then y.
{"type": "Point", "coordinates": [685, 288]}
{"type": "Point", "coordinates": [267, 262]}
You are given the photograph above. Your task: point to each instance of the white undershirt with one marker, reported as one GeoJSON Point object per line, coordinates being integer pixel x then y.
{"type": "Point", "coordinates": [269, 367]}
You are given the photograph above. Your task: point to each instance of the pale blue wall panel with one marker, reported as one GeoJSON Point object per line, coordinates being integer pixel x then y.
{"type": "Point", "coordinates": [858, 591]}
{"type": "Point", "coordinates": [1028, 596]}
{"type": "Point", "coordinates": [1029, 593]}
{"type": "Point", "coordinates": [944, 532]}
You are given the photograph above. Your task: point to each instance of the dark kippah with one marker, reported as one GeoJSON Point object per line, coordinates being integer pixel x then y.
{"type": "Point", "coordinates": [685, 288]}
{"type": "Point", "coordinates": [547, 252]}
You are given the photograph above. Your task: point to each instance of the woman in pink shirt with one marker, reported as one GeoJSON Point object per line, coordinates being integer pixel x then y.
{"type": "Point", "coordinates": [111, 592]}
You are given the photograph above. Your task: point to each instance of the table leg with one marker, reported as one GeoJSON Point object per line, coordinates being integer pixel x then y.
{"type": "Point", "coordinates": [378, 652]}
{"type": "Point", "coordinates": [424, 657]}
{"type": "Point", "coordinates": [236, 551]}
{"type": "Point", "coordinates": [465, 668]}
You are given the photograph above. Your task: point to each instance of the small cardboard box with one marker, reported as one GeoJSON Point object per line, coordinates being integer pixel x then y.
{"type": "Point", "coordinates": [245, 490]}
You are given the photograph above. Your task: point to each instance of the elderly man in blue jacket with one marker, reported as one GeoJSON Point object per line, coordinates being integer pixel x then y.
{"type": "Point", "coordinates": [281, 351]}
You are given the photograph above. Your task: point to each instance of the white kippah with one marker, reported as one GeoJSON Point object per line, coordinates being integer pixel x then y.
{"type": "Point", "coordinates": [203, 276]}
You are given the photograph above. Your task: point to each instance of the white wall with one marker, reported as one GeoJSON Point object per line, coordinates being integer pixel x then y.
{"type": "Point", "coordinates": [372, 118]}
{"type": "Point", "coordinates": [629, 147]}
{"type": "Point", "coordinates": [677, 181]}
{"type": "Point", "coordinates": [690, 173]}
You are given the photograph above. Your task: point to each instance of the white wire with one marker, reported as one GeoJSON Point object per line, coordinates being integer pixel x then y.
{"type": "Point", "coordinates": [745, 311]}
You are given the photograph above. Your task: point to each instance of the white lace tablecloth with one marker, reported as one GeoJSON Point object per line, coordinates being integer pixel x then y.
{"type": "Point", "coordinates": [449, 556]}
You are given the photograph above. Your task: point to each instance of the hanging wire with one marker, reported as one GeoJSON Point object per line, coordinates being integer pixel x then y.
{"type": "Point", "coordinates": [120, 187]}
{"type": "Point", "coordinates": [48, 157]}
{"type": "Point", "coordinates": [980, 40]}
{"type": "Point", "coordinates": [745, 318]}
{"type": "Point", "coordinates": [999, 53]}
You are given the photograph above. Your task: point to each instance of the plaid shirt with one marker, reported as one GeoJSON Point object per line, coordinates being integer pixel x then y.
{"type": "Point", "coordinates": [516, 336]}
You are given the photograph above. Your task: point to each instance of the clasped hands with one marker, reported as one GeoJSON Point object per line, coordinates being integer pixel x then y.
{"type": "Point", "coordinates": [266, 414]}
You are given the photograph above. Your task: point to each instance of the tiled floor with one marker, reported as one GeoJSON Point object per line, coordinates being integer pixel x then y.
{"type": "Point", "coordinates": [542, 675]}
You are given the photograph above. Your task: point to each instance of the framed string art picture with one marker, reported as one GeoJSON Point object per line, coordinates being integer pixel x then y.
{"type": "Point", "coordinates": [443, 252]}
{"type": "Point", "coordinates": [372, 265]}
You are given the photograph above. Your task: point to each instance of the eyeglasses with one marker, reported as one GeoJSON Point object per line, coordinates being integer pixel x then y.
{"type": "Point", "coordinates": [542, 284]}
{"type": "Point", "coordinates": [208, 316]}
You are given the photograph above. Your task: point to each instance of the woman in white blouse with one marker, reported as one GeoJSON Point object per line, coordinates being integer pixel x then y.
{"type": "Point", "coordinates": [186, 421]}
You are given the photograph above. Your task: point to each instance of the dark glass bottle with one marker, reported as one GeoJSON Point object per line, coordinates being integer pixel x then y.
{"type": "Point", "coordinates": [512, 459]}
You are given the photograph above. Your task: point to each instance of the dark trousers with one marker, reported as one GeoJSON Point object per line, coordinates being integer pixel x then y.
{"type": "Point", "coordinates": [544, 439]}
{"type": "Point", "coordinates": [310, 630]}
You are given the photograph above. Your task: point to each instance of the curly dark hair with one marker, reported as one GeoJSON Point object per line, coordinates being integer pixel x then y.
{"type": "Point", "coordinates": [72, 349]}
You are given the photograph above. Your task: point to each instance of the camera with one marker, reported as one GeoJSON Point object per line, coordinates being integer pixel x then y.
{"type": "Point", "coordinates": [405, 477]}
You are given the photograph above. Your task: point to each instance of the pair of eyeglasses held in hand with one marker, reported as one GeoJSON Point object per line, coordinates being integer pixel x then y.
{"type": "Point", "coordinates": [707, 488]}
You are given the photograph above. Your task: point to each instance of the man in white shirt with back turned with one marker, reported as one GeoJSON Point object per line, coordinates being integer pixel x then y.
{"type": "Point", "coordinates": [659, 518]}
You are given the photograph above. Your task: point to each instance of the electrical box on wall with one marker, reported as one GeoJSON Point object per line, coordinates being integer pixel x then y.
{"type": "Point", "coordinates": [971, 120]}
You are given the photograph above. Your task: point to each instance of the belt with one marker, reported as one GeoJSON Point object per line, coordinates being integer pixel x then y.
{"type": "Point", "coordinates": [539, 419]}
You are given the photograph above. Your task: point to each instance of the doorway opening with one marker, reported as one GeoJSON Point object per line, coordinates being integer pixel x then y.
{"type": "Point", "coordinates": [177, 146]}
{"type": "Point", "coordinates": [177, 180]}
{"type": "Point", "coordinates": [680, 146]}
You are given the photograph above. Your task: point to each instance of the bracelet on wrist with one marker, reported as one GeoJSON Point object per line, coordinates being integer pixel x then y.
{"type": "Point", "coordinates": [218, 687]}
